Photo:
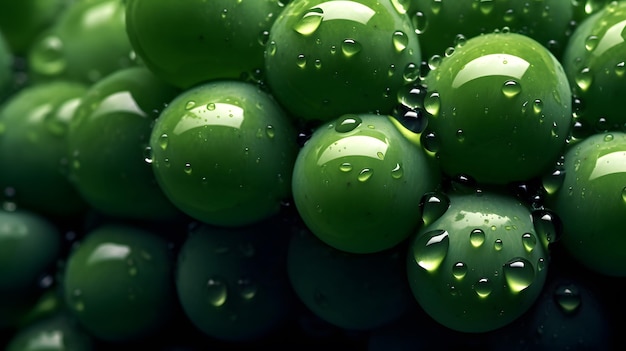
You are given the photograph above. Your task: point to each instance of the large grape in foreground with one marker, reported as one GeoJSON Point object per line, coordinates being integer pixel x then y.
{"type": "Point", "coordinates": [499, 109]}
{"type": "Point", "coordinates": [480, 265]}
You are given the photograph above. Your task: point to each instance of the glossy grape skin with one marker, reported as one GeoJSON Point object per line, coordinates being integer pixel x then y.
{"type": "Point", "coordinates": [499, 108]}
{"type": "Point", "coordinates": [357, 183]}
{"type": "Point", "coordinates": [29, 245]}
{"type": "Point", "coordinates": [118, 283]}
{"type": "Point", "coordinates": [22, 21]}
{"type": "Point", "coordinates": [352, 291]}
{"type": "Point", "coordinates": [232, 282]}
{"type": "Point", "coordinates": [327, 58]}
{"type": "Point", "coordinates": [480, 265]}
{"type": "Point", "coordinates": [33, 154]}
{"type": "Point", "coordinates": [107, 142]}
{"type": "Point", "coordinates": [87, 42]}
{"type": "Point", "coordinates": [198, 41]}
{"type": "Point", "coordinates": [439, 23]}
{"type": "Point", "coordinates": [594, 62]}
{"type": "Point", "coordinates": [590, 203]}
{"type": "Point", "coordinates": [58, 332]}
{"type": "Point", "coordinates": [223, 153]}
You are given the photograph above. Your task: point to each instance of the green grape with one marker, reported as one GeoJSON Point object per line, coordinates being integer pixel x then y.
{"type": "Point", "coordinates": [590, 200]}
{"type": "Point", "coordinates": [595, 64]}
{"type": "Point", "coordinates": [118, 283]}
{"type": "Point", "coordinates": [33, 152]}
{"type": "Point", "coordinates": [232, 282]}
{"type": "Point", "coordinates": [223, 153]}
{"type": "Point", "coordinates": [357, 183]}
{"type": "Point", "coordinates": [196, 41]}
{"type": "Point", "coordinates": [499, 108]}
{"type": "Point", "coordinates": [87, 42]}
{"type": "Point", "coordinates": [108, 144]}
{"type": "Point", "coordinates": [327, 58]}
{"type": "Point", "coordinates": [352, 291]}
{"type": "Point", "coordinates": [479, 263]}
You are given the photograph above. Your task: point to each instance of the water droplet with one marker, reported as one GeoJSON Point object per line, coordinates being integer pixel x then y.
{"type": "Point", "coordinates": [541, 264]}
{"type": "Point", "coordinates": [432, 104]}
{"type": "Point", "coordinates": [190, 104]}
{"type": "Point", "coordinates": [519, 274]}
{"type": "Point", "coordinates": [263, 37]}
{"type": "Point", "coordinates": [624, 194]}
{"type": "Point", "coordinates": [435, 6]}
{"type": "Point", "coordinates": [397, 172]}
{"type": "Point", "coordinates": [310, 21]}
{"type": "Point", "coordinates": [345, 167]}
{"type": "Point", "coordinates": [147, 155]}
{"type": "Point", "coordinates": [350, 47]}
{"type": "Point", "coordinates": [317, 63]}
{"type": "Point", "coordinates": [529, 241]}
{"type": "Point", "coordinates": [217, 292]}
{"type": "Point", "coordinates": [567, 297]}
{"type": "Point", "coordinates": [272, 48]}
{"type": "Point", "coordinates": [431, 249]}
{"type": "Point", "coordinates": [553, 182]}
{"type": "Point", "coordinates": [460, 135]}
{"type": "Point", "coordinates": [434, 62]}
{"type": "Point", "coordinates": [210, 106]}
{"type": "Point", "coordinates": [187, 168]}
{"type": "Point", "coordinates": [459, 270]}
{"type": "Point", "coordinates": [483, 287]}
{"type": "Point", "coordinates": [269, 131]}
{"type": "Point", "coordinates": [400, 41]}
{"type": "Point", "coordinates": [486, 6]}
{"type": "Point", "coordinates": [47, 56]}
{"type": "Point", "coordinates": [591, 42]}
{"type": "Point", "coordinates": [301, 61]}
{"type": "Point", "coordinates": [380, 155]}
{"type": "Point", "coordinates": [620, 68]}
{"type": "Point", "coordinates": [163, 141]}
{"type": "Point", "coordinates": [348, 123]}
{"type": "Point", "coordinates": [365, 175]}
{"type": "Point", "coordinates": [401, 6]}
{"type": "Point", "coordinates": [509, 15]}
{"type": "Point", "coordinates": [430, 142]}
{"type": "Point", "coordinates": [433, 205]}
{"type": "Point", "coordinates": [477, 237]}
{"type": "Point", "coordinates": [498, 245]}
{"type": "Point", "coordinates": [247, 289]}
{"type": "Point", "coordinates": [547, 226]}
{"type": "Point", "coordinates": [411, 72]}
{"type": "Point", "coordinates": [420, 22]}
{"type": "Point", "coordinates": [511, 88]}
{"type": "Point", "coordinates": [537, 106]}
{"type": "Point", "coordinates": [608, 137]}
{"type": "Point", "coordinates": [584, 78]}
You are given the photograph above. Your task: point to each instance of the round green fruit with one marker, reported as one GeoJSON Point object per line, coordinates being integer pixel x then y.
{"type": "Point", "coordinates": [480, 265]}
{"type": "Point", "coordinates": [108, 145]}
{"type": "Point", "coordinates": [499, 109]}
{"type": "Point", "coordinates": [327, 58]}
{"type": "Point", "coordinates": [595, 64]}
{"type": "Point", "coordinates": [197, 41]}
{"type": "Point", "coordinates": [33, 152]}
{"type": "Point", "coordinates": [591, 202]}
{"type": "Point", "coordinates": [118, 283]}
{"type": "Point", "coordinates": [358, 181]}
{"type": "Point", "coordinates": [223, 153]}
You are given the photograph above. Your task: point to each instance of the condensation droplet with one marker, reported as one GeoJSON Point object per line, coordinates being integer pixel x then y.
{"type": "Point", "coordinates": [567, 297]}
{"type": "Point", "coordinates": [400, 41]}
{"type": "Point", "coordinates": [591, 42]}
{"type": "Point", "coordinates": [217, 292]}
{"type": "Point", "coordinates": [365, 175]}
{"type": "Point", "coordinates": [345, 167]}
{"type": "Point", "coordinates": [486, 6]}
{"type": "Point", "coordinates": [163, 141]}
{"type": "Point", "coordinates": [620, 68]}
{"type": "Point", "coordinates": [433, 205]}
{"type": "Point", "coordinates": [210, 106]}
{"type": "Point", "coordinates": [477, 237]}
{"type": "Point", "coordinates": [430, 142]}
{"type": "Point", "coordinates": [188, 169]}
{"type": "Point", "coordinates": [584, 79]}
{"type": "Point", "coordinates": [350, 47]}
{"type": "Point", "coordinates": [537, 106]}
{"type": "Point", "coordinates": [348, 123]}
{"type": "Point", "coordinates": [310, 21]}
{"type": "Point", "coordinates": [269, 131]}
{"type": "Point", "coordinates": [147, 155]}
{"type": "Point", "coordinates": [247, 289]}
{"type": "Point", "coordinates": [301, 61]}
{"type": "Point", "coordinates": [420, 22]}
{"type": "Point", "coordinates": [459, 270]}
{"type": "Point", "coordinates": [397, 172]}
{"type": "Point", "coordinates": [432, 104]}
{"type": "Point", "coordinates": [483, 287]}
{"type": "Point", "coordinates": [519, 274]}
{"type": "Point", "coordinates": [431, 249]}
{"type": "Point", "coordinates": [498, 245]}
{"type": "Point", "coordinates": [511, 88]}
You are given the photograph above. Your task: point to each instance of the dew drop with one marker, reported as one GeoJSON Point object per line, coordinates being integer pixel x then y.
{"type": "Point", "coordinates": [620, 68]}
{"type": "Point", "coordinates": [486, 6]}
{"type": "Point", "coordinates": [547, 226]}
{"type": "Point", "coordinates": [553, 182]}
{"type": "Point", "coordinates": [435, 6]}
{"type": "Point", "coordinates": [411, 72]}
{"type": "Point", "coordinates": [47, 56]}
{"type": "Point", "coordinates": [591, 42]}
{"type": "Point", "coordinates": [420, 22]}
{"type": "Point", "coordinates": [537, 106]}
{"type": "Point", "coordinates": [430, 142]}
{"type": "Point", "coordinates": [460, 135]}
{"type": "Point", "coordinates": [348, 123]}
{"type": "Point", "coordinates": [432, 104]}
{"type": "Point", "coordinates": [584, 79]}
{"type": "Point", "coordinates": [497, 245]}
{"type": "Point", "coordinates": [624, 194]}
{"type": "Point", "coordinates": [147, 155]}
{"type": "Point", "coordinates": [217, 292]}
{"type": "Point", "coordinates": [511, 88]}
{"type": "Point", "coordinates": [529, 241]}
{"type": "Point", "coordinates": [541, 264]}
{"type": "Point", "coordinates": [210, 106]}
{"type": "Point", "coordinates": [187, 168]}
{"type": "Point", "coordinates": [263, 37]}
{"type": "Point", "coordinates": [400, 41]}
{"type": "Point", "coordinates": [345, 167]}
{"type": "Point", "coordinates": [301, 61]}
{"type": "Point", "coordinates": [269, 131]}
{"type": "Point", "coordinates": [365, 175]}
{"type": "Point", "coordinates": [163, 141]}
{"type": "Point", "coordinates": [431, 249]}
{"type": "Point", "coordinates": [434, 62]}
{"type": "Point", "coordinates": [433, 205]}
{"type": "Point", "coordinates": [459, 270]}
{"type": "Point", "coordinates": [397, 172]}
{"type": "Point", "coordinates": [567, 297]}
{"type": "Point", "coordinates": [519, 274]}
{"type": "Point", "coordinates": [272, 48]}
{"type": "Point", "coordinates": [77, 300]}
{"type": "Point", "coordinates": [350, 47]}
{"type": "Point", "coordinates": [310, 21]}
{"type": "Point", "coordinates": [247, 289]}
{"type": "Point", "coordinates": [477, 237]}
{"type": "Point", "coordinates": [483, 287]}
{"type": "Point", "coordinates": [190, 104]}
